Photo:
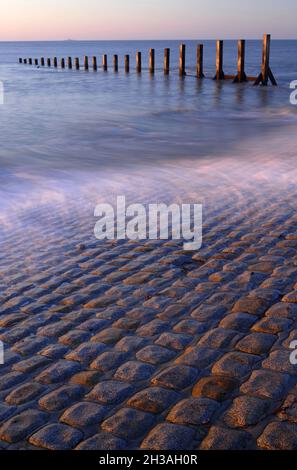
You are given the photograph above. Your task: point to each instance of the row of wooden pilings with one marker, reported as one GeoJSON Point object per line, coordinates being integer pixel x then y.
{"type": "Point", "coordinates": [241, 76]}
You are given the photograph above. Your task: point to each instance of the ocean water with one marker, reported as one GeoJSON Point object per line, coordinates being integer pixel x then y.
{"type": "Point", "coordinates": [70, 137]}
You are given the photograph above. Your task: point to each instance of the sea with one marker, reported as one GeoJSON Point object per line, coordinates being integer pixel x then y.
{"type": "Point", "coordinates": [73, 138]}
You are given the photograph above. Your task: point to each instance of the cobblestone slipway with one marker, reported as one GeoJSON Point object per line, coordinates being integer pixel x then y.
{"type": "Point", "coordinates": [128, 345]}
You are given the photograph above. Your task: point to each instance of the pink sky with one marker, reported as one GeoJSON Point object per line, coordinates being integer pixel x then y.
{"type": "Point", "coordinates": [144, 19]}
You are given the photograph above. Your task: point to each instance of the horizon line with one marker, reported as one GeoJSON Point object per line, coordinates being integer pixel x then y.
{"type": "Point", "coordinates": [145, 39]}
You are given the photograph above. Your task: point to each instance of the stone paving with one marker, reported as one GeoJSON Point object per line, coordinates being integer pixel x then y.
{"type": "Point", "coordinates": [140, 345]}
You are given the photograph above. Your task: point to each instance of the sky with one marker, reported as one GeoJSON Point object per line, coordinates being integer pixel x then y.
{"type": "Point", "coordinates": [146, 19]}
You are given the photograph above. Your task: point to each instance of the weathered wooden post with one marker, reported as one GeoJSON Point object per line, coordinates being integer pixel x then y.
{"type": "Point", "coordinates": [42, 61]}
{"type": "Point", "coordinates": [20, 60]}
{"type": "Point", "coordinates": [76, 63]}
{"type": "Point", "coordinates": [166, 61]}
{"type": "Point", "coordinates": [104, 62]}
{"type": "Point", "coordinates": [265, 59]}
{"type": "Point", "coordinates": [69, 61]}
{"type": "Point", "coordinates": [182, 60]}
{"type": "Point", "coordinates": [138, 62]}
{"type": "Point", "coordinates": [62, 63]}
{"type": "Point", "coordinates": [48, 62]}
{"type": "Point", "coordinates": [127, 63]}
{"type": "Point", "coordinates": [266, 73]}
{"type": "Point", "coordinates": [241, 76]}
{"type": "Point", "coordinates": [152, 61]}
{"type": "Point", "coordinates": [94, 61]}
{"type": "Point", "coordinates": [25, 61]}
{"type": "Point", "coordinates": [116, 63]}
{"type": "Point", "coordinates": [30, 61]}
{"type": "Point", "coordinates": [200, 73]}
{"type": "Point", "coordinates": [86, 62]}
{"type": "Point", "coordinates": [55, 62]}
{"type": "Point", "coordinates": [35, 61]}
{"type": "Point", "coordinates": [219, 61]}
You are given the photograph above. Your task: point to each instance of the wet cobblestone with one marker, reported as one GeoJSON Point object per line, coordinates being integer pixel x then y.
{"type": "Point", "coordinates": [128, 345]}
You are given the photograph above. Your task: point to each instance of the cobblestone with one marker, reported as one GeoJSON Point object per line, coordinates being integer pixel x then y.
{"type": "Point", "coordinates": [250, 305]}
{"type": "Point", "coordinates": [102, 441]}
{"type": "Point", "coordinates": [84, 414]}
{"type": "Point", "coordinates": [109, 336]}
{"type": "Point", "coordinates": [11, 379]}
{"type": "Point", "coordinates": [235, 365]}
{"type": "Point", "coordinates": [272, 325]}
{"type": "Point", "coordinates": [195, 411]}
{"type": "Point", "coordinates": [139, 423]}
{"type": "Point", "coordinates": [282, 310]}
{"type": "Point", "coordinates": [176, 377]}
{"type": "Point", "coordinates": [219, 338]}
{"type": "Point", "coordinates": [56, 437]}
{"type": "Point", "coordinates": [169, 437]}
{"type": "Point", "coordinates": [266, 384]}
{"type": "Point", "coordinates": [22, 425]}
{"type": "Point", "coordinates": [108, 360]}
{"type": "Point", "coordinates": [279, 436]}
{"type": "Point", "coordinates": [256, 343]}
{"type": "Point", "coordinates": [155, 354]}
{"type": "Point", "coordinates": [173, 341]}
{"type": "Point", "coordinates": [31, 364]}
{"type": "Point", "coordinates": [279, 361]}
{"type": "Point", "coordinates": [87, 378]}
{"type": "Point", "coordinates": [153, 399]}
{"type": "Point", "coordinates": [238, 321]}
{"type": "Point", "coordinates": [215, 387]}
{"type": "Point", "coordinates": [246, 411]}
{"type": "Point", "coordinates": [130, 343]}
{"type": "Point", "coordinates": [199, 357]}
{"type": "Point", "coordinates": [24, 393]}
{"type": "Point", "coordinates": [110, 392]}
{"type": "Point", "coordinates": [152, 328]}
{"type": "Point", "coordinates": [6, 412]}
{"type": "Point", "coordinates": [220, 438]}
{"type": "Point", "coordinates": [61, 397]}
{"type": "Point", "coordinates": [117, 345]}
{"type": "Point", "coordinates": [134, 371]}
{"type": "Point", "coordinates": [86, 352]}
{"type": "Point", "coordinates": [58, 372]}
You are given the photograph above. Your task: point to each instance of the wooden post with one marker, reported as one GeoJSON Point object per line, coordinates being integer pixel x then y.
{"type": "Point", "coordinates": [127, 63]}
{"type": "Point", "coordinates": [63, 63]}
{"type": "Point", "coordinates": [116, 63]}
{"type": "Point", "coordinates": [104, 62]}
{"type": "Point", "coordinates": [241, 76]}
{"type": "Point", "coordinates": [55, 62]}
{"type": "Point", "coordinates": [182, 60]}
{"type": "Point", "coordinates": [200, 73]}
{"type": "Point", "coordinates": [265, 59]}
{"type": "Point", "coordinates": [42, 61]}
{"type": "Point", "coordinates": [138, 62]}
{"type": "Point", "coordinates": [76, 62]}
{"type": "Point", "coordinates": [35, 61]}
{"type": "Point", "coordinates": [219, 61]}
{"type": "Point", "coordinates": [20, 60]}
{"type": "Point", "coordinates": [166, 61]}
{"type": "Point", "coordinates": [86, 62]}
{"type": "Point", "coordinates": [69, 61]}
{"type": "Point", "coordinates": [30, 61]}
{"type": "Point", "coordinates": [94, 61]}
{"type": "Point", "coordinates": [266, 73]}
{"type": "Point", "coordinates": [48, 62]}
{"type": "Point", "coordinates": [152, 61]}
{"type": "Point", "coordinates": [25, 61]}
